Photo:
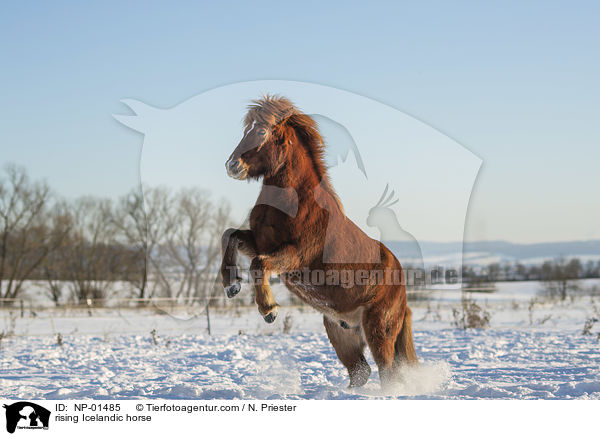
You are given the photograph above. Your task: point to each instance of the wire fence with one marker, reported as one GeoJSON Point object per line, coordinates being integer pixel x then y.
{"type": "Point", "coordinates": [187, 309]}
{"type": "Point", "coordinates": [30, 303]}
{"type": "Point", "coordinates": [23, 304]}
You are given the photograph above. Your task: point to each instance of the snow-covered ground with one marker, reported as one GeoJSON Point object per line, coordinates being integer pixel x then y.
{"type": "Point", "coordinates": [532, 349]}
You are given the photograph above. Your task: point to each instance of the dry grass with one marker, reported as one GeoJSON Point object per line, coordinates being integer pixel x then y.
{"type": "Point", "coordinates": [470, 314]}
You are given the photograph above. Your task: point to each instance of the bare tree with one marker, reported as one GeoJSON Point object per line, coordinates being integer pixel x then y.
{"type": "Point", "coordinates": [25, 239]}
{"type": "Point", "coordinates": [559, 276]}
{"type": "Point", "coordinates": [192, 243]}
{"type": "Point", "coordinates": [591, 270]}
{"type": "Point", "coordinates": [158, 206]}
{"type": "Point", "coordinates": [130, 219]}
{"type": "Point", "coordinates": [208, 284]}
{"type": "Point", "coordinates": [93, 262]}
{"type": "Point", "coordinates": [54, 268]}
{"type": "Point", "coordinates": [493, 270]}
{"type": "Point", "coordinates": [521, 271]}
{"type": "Point", "coordinates": [574, 268]}
{"type": "Point", "coordinates": [507, 269]}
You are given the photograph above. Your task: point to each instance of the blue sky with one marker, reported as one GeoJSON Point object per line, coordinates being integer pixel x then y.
{"type": "Point", "coordinates": [514, 82]}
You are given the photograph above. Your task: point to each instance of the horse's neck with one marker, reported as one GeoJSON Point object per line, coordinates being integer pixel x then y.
{"type": "Point", "coordinates": [310, 188]}
{"type": "Point", "coordinates": [296, 190]}
{"type": "Point", "coordinates": [284, 199]}
{"type": "Point", "coordinates": [301, 178]}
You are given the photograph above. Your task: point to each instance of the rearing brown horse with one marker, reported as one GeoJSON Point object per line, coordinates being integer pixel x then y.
{"type": "Point", "coordinates": [298, 229]}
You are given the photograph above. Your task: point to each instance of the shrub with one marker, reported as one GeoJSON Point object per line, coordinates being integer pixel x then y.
{"type": "Point", "coordinates": [470, 314]}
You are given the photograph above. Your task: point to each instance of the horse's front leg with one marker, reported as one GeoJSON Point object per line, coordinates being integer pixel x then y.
{"type": "Point", "coordinates": [232, 241]}
{"type": "Point", "coordinates": [281, 260]}
{"type": "Point", "coordinates": [263, 296]}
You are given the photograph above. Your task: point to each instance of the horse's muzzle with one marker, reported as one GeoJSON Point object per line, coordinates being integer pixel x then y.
{"type": "Point", "coordinates": [236, 169]}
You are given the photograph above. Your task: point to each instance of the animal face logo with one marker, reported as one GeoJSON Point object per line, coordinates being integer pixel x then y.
{"type": "Point", "coordinates": [26, 415]}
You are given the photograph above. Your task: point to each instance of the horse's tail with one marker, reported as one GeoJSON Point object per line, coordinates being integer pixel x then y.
{"type": "Point", "coordinates": [405, 347]}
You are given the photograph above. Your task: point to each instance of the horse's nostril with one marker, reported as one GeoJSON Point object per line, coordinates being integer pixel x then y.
{"type": "Point", "coordinates": [231, 165]}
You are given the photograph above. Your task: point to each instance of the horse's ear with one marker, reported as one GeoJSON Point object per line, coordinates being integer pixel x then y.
{"type": "Point", "coordinates": [144, 114]}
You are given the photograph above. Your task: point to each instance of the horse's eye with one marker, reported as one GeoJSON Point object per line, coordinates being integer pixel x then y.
{"type": "Point", "coordinates": [262, 132]}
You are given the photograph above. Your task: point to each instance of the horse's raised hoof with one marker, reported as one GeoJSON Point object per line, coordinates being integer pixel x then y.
{"type": "Point", "coordinates": [270, 317]}
{"type": "Point", "coordinates": [233, 290]}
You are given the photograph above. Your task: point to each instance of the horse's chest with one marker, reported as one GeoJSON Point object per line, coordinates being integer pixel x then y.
{"type": "Point", "coordinates": [270, 228]}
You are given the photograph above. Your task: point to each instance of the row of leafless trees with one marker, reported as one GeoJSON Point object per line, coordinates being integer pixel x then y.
{"type": "Point", "coordinates": [508, 271]}
{"type": "Point", "coordinates": [158, 243]}
{"type": "Point", "coordinates": [559, 276]}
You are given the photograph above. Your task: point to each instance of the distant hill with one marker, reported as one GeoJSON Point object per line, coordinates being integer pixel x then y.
{"type": "Point", "coordinates": [485, 252]}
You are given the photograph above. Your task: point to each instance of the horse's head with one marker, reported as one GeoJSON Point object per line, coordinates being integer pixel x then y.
{"type": "Point", "coordinates": [381, 213]}
{"type": "Point", "coordinates": [267, 138]}
{"type": "Point", "coordinates": [256, 153]}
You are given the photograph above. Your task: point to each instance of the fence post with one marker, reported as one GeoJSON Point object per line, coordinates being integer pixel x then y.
{"type": "Point", "coordinates": [208, 316]}
{"type": "Point", "coordinates": [22, 308]}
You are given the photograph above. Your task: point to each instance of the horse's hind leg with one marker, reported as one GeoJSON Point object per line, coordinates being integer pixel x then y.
{"type": "Point", "coordinates": [262, 291]}
{"type": "Point", "coordinates": [231, 241]}
{"type": "Point", "coordinates": [349, 345]}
